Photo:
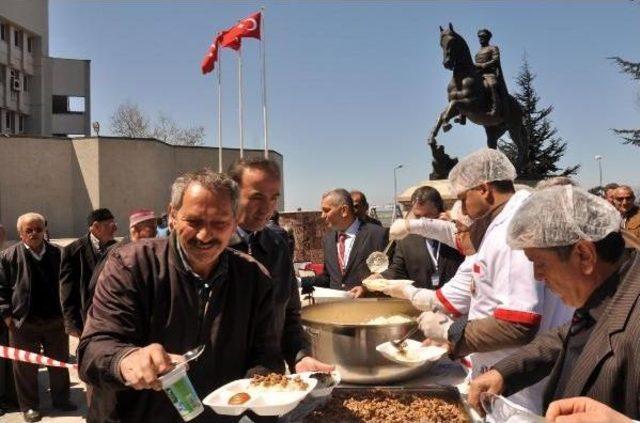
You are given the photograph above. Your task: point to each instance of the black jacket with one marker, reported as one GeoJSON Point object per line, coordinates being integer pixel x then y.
{"type": "Point", "coordinates": [370, 238]}
{"type": "Point", "coordinates": [15, 280]}
{"type": "Point", "coordinates": [271, 250]}
{"type": "Point", "coordinates": [146, 295]}
{"type": "Point", "coordinates": [79, 260]}
{"type": "Point", "coordinates": [411, 260]}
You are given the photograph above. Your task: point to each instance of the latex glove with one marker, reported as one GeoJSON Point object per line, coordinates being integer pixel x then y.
{"type": "Point", "coordinates": [435, 325]}
{"type": "Point", "coordinates": [404, 292]}
{"type": "Point", "coordinates": [399, 229]}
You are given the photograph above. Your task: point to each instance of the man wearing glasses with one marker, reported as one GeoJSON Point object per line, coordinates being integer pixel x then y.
{"type": "Point", "coordinates": [30, 307]}
{"type": "Point", "coordinates": [625, 201]}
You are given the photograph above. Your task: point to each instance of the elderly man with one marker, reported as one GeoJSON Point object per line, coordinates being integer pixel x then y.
{"type": "Point", "coordinates": [573, 239]}
{"type": "Point", "coordinates": [361, 208]}
{"type": "Point", "coordinates": [347, 245]}
{"type": "Point", "coordinates": [143, 223]}
{"type": "Point", "coordinates": [79, 260]}
{"type": "Point", "coordinates": [609, 191]}
{"type": "Point", "coordinates": [428, 262]}
{"type": "Point", "coordinates": [259, 183]}
{"type": "Point", "coordinates": [625, 201]}
{"type": "Point", "coordinates": [169, 295]}
{"type": "Point", "coordinates": [30, 307]}
{"type": "Point", "coordinates": [495, 287]}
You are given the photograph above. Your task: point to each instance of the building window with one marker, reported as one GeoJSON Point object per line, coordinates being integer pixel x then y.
{"type": "Point", "coordinates": [3, 32]}
{"type": "Point", "coordinates": [21, 124]}
{"type": "Point", "coordinates": [26, 83]}
{"type": "Point", "coordinates": [3, 75]}
{"type": "Point", "coordinates": [30, 44]}
{"type": "Point", "coordinates": [17, 38]}
{"type": "Point", "coordinates": [66, 104]}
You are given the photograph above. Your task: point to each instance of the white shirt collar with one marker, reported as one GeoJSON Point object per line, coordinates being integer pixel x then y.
{"type": "Point", "coordinates": [37, 256]}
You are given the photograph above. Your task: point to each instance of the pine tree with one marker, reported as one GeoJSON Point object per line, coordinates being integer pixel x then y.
{"type": "Point", "coordinates": [630, 136]}
{"type": "Point", "coordinates": [546, 148]}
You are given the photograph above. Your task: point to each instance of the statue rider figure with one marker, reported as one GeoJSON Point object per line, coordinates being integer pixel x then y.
{"type": "Point", "coordinates": [488, 64]}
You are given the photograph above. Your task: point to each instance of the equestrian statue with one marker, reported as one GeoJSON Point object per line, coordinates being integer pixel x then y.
{"type": "Point", "coordinates": [477, 91]}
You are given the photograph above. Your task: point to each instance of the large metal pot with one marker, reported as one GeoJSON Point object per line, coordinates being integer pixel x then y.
{"type": "Point", "coordinates": [340, 335]}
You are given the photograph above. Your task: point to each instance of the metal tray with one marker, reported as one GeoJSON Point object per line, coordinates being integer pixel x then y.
{"type": "Point", "coordinates": [445, 392]}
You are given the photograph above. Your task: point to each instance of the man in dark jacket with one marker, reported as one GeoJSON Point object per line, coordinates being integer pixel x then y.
{"type": "Point", "coordinates": [169, 295]}
{"type": "Point", "coordinates": [259, 183]}
{"type": "Point", "coordinates": [30, 307]}
{"type": "Point", "coordinates": [426, 261]}
{"type": "Point", "coordinates": [347, 245]}
{"type": "Point", "coordinates": [79, 260]}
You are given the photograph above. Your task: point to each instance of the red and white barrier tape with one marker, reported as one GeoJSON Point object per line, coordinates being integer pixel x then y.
{"type": "Point", "coordinates": [29, 357]}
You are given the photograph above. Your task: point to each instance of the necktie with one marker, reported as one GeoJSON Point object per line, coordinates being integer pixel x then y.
{"type": "Point", "coordinates": [252, 241]}
{"type": "Point", "coordinates": [582, 320]}
{"type": "Point", "coordinates": [341, 247]}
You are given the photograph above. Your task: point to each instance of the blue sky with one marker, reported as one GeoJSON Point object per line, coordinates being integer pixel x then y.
{"type": "Point", "coordinates": [354, 87]}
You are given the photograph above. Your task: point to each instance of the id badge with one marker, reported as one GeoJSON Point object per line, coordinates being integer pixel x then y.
{"type": "Point", "coordinates": [435, 279]}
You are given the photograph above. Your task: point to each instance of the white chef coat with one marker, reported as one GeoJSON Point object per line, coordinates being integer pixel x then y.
{"type": "Point", "coordinates": [498, 282]}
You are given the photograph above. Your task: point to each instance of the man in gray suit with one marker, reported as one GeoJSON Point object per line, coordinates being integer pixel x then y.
{"type": "Point", "coordinates": [577, 249]}
{"type": "Point", "coordinates": [347, 245]}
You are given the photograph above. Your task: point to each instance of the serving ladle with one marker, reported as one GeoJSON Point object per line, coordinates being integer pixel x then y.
{"type": "Point", "coordinates": [378, 261]}
{"type": "Point", "coordinates": [400, 344]}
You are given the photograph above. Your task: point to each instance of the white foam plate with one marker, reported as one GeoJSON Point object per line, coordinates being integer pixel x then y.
{"type": "Point", "coordinates": [261, 403]}
{"type": "Point", "coordinates": [417, 354]}
{"type": "Point", "coordinates": [381, 284]}
{"type": "Point", "coordinates": [322, 392]}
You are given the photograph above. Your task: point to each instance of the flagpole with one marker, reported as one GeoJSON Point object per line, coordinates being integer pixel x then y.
{"type": "Point", "coordinates": [240, 102]}
{"type": "Point", "coordinates": [263, 46]}
{"type": "Point", "coordinates": [219, 113]}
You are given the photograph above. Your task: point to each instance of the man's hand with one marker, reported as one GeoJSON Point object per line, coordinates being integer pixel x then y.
{"type": "Point", "coordinates": [310, 364]}
{"type": "Point", "coordinates": [357, 291]}
{"type": "Point", "coordinates": [435, 325]}
{"type": "Point", "coordinates": [9, 322]}
{"type": "Point", "coordinates": [399, 229]}
{"type": "Point", "coordinates": [492, 382]}
{"type": "Point", "coordinates": [583, 410]}
{"type": "Point", "coordinates": [141, 368]}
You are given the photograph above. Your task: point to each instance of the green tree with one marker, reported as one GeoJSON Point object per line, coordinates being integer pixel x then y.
{"type": "Point", "coordinates": [630, 136]}
{"type": "Point", "coordinates": [546, 148]}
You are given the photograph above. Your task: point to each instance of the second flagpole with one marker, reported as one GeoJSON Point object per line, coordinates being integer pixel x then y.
{"type": "Point", "coordinates": [240, 120]}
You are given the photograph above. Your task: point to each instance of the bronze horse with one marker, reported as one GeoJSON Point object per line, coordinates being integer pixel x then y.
{"type": "Point", "coordinates": [469, 98]}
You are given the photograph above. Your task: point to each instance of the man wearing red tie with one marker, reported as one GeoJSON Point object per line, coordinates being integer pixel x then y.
{"type": "Point", "coordinates": [347, 245]}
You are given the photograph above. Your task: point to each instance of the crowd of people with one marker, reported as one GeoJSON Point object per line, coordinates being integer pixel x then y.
{"type": "Point", "coordinates": [537, 288]}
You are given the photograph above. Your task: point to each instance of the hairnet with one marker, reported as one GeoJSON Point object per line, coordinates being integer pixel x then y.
{"type": "Point", "coordinates": [560, 216]}
{"type": "Point", "coordinates": [486, 165]}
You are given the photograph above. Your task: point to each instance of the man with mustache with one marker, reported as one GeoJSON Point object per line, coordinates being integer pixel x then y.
{"type": "Point", "coordinates": [259, 183]}
{"type": "Point", "coordinates": [157, 298]}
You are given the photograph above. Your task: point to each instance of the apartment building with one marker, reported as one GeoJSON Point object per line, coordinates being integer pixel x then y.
{"type": "Point", "coordinates": [39, 95]}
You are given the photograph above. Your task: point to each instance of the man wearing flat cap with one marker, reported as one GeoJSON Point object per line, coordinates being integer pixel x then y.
{"type": "Point", "coordinates": [143, 223]}
{"type": "Point", "coordinates": [79, 260]}
{"type": "Point", "coordinates": [574, 241]}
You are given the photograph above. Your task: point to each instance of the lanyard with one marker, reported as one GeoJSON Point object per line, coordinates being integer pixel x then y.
{"type": "Point", "coordinates": [434, 258]}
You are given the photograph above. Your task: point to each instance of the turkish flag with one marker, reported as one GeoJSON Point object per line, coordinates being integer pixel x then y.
{"type": "Point", "coordinates": [211, 57]}
{"type": "Point", "coordinates": [247, 27]}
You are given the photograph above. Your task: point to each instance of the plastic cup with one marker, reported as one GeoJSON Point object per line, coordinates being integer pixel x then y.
{"type": "Point", "coordinates": [178, 387]}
